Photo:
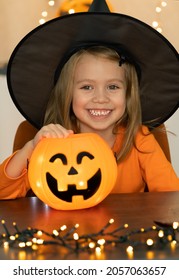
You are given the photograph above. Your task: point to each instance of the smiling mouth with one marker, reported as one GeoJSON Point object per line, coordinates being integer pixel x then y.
{"type": "Point", "coordinates": [99, 112]}
{"type": "Point", "coordinates": [92, 186]}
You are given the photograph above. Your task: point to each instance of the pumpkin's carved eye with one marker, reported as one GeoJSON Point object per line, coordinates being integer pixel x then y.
{"type": "Point", "coordinates": [60, 156]}
{"type": "Point", "coordinates": [81, 155]}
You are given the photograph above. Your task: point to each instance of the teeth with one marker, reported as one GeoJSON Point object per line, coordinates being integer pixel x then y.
{"type": "Point", "coordinates": [99, 112]}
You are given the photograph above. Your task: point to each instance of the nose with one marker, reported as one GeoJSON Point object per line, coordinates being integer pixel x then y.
{"type": "Point", "coordinates": [72, 171]}
{"type": "Point", "coordinates": [100, 96]}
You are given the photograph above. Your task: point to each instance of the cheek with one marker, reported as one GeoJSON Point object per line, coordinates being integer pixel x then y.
{"type": "Point", "coordinates": [78, 103]}
{"type": "Point", "coordinates": [120, 102]}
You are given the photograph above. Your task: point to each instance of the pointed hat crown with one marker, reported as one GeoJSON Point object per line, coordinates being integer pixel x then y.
{"type": "Point", "coordinates": [99, 6]}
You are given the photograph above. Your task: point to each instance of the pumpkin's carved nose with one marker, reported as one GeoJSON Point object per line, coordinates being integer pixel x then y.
{"type": "Point", "coordinates": [72, 171]}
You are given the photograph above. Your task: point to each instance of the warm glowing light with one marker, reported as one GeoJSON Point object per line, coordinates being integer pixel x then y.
{"type": "Point", "coordinates": [71, 11]}
{"type": "Point", "coordinates": [101, 242]}
{"type": "Point", "coordinates": [22, 244]}
{"type": "Point", "coordinates": [12, 237]}
{"type": "Point", "coordinates": [64, 227]}
{"type": "Point", "coordinates": [41, 21]}
{"type": "Point", "coordinates": [129, 249]}
{"type": "Point", "coordinates": [150, 255]}
{"type": "Point", "coordinates": [40, 241]}
{"type": "Point", "coordinates": [44, 14]}
{"type": "Point", "coordinates": [76, 236]}
{"type": "Point", "coordinates": [55, 232]}
{"type": "Point", "coordinates": [87, 241]}
{"type": "Point", "coordinates": [111, 221]}
{"type": "Point", "coordinates": [29, 243]}
{"type": "Point", "coordinates": [169, 237]}
{"type": "Point", "coordinates": [155, 24]}
{"type": "Point", "coordinates": [161, 233]}
{"type": "Point", "coordinates": [159, 29]}
{"type": "Point", "coordinates": [81, 183]}
{"type": "Point", "coordinates": [130, 252]}
{"type": "Point", "coordinates": [149, 242]}
{"type": "Point", "coordinates": [158, 9]}
{"type": "Point", "coordinates": [51, 3]}
{"type": "Point", "coordinates": [175, 225]}
{"type": "Point", "coordinates": [6, 244]}
{"type": "Point", "coordinates": [98, 250]}
{"type": "Point", "coordinates": [91, 245]}
{"type": "Point", "coordinates": [164, 3]}
{"type": "Point", "coordinates": [22, 255]}
{"type": "Point", "coordinates": [173, 245]}
{"type": "Point", "coordinates": [34, 247]}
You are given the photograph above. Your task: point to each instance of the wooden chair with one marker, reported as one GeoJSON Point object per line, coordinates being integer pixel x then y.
{"type": "Point", "coordinates": [26, 132]}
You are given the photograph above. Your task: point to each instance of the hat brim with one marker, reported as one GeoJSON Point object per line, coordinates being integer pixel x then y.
{"type": "Point", "coordinates": [32, 66]}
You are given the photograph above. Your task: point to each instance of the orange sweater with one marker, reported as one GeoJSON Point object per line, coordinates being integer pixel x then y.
{"type": "Point", "coordinates": [145, 165]}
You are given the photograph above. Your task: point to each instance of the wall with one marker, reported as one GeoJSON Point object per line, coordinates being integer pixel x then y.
{"type": "Point", "coordinates": [9, 120]}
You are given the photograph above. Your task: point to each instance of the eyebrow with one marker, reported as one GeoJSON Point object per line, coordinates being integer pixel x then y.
{"type": "Point", "coordinates": [91, 80]}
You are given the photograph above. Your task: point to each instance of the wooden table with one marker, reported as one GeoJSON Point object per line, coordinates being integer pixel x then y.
{"type": "Point", "coordinates": [138, 210]}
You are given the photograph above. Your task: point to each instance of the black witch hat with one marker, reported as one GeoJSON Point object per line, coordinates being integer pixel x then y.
{"type": "Point", "coordinates": [42, 53]}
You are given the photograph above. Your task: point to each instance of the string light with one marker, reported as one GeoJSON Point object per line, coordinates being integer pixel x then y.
{"type": "Point", "coordinates": [71, 11]}
{"type": "Point", "coordinates": [173, 245]}
{"type": "Point", "coordinates": [163, 3]}
{"type": "Point", "coordinates": [94, 242]}
{"type": "Point", "coordinates": [175, 225]}
{"type": "Point", "coordinates": [63, 228]}
{"type": "Point", "coordinates": [55, 232]}
{"type": "Point", "coordinates": [161, 233]}
{"type": "Point", "coordinates": [149, 242]}
{"type": "Point", "coordinates": [158, 9]}
{"type": "Point", "coordinates": [92, 245]}
{"type": "Point", "coordinates": [51, 3]}
{"type": "Point", "coordinates": [45, 13]}
{"type": "Point", "coordinates": [130, 252]}
{"type": "Point", "coordinates": [155, 24]}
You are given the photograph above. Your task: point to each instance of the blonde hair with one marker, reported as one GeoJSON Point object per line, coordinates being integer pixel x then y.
{"type": "Point", "coordinates": [59, 108]}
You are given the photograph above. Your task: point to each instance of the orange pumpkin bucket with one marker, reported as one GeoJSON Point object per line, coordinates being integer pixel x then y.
{"type": "Point", "coordinates": [71, 173]}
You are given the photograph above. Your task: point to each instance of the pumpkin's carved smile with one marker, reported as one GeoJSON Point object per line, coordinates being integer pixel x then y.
{"type": "Point", "coordinates": [92, 186]}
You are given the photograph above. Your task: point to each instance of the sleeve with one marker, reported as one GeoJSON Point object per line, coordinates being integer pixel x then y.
{"type": "Point", "coordinates": [157, 171]}
{"type": "Point", "coordinates": [11, 188]}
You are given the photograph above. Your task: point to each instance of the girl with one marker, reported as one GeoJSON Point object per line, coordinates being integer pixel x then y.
{"type": "Point", "coordinates": [97, 91]}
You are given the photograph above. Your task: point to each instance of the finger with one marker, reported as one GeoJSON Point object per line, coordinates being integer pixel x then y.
{"type": "Point", "coordinates": [61, 131]}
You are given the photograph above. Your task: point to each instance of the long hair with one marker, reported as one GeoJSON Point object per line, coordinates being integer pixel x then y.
{"type": "Point", "coordinates": [59, 108]}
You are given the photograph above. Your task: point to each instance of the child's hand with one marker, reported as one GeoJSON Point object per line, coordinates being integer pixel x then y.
{"type": "Point", "coordinates": [51, 131]}
{"type": "Point", "coordinates": [18, 162]}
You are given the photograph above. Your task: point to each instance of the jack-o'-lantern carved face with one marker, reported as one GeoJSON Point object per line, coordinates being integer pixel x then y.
{"type": "Point", "coordinates": [74, 181]}
{"type": "Point", "coordinates": [72, 173]}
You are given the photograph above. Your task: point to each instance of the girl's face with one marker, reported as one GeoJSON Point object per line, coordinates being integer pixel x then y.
{"type": "Point", "coordinates": [99, 94]}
